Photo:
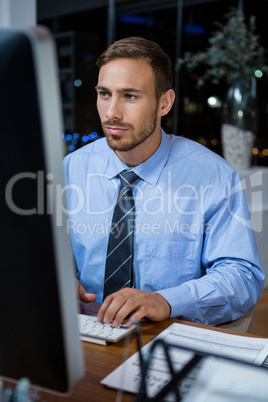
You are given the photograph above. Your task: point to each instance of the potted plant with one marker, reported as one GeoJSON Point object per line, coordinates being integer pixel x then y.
{"type": "Point", "coordinates": [235, 57]}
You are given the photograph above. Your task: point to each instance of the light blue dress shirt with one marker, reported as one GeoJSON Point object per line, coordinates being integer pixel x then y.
{"type": "Point", "coordinates": [193, 238]}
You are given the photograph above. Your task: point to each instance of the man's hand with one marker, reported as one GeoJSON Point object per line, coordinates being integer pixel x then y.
{"type": "Point", "coordinates": [133, 304]}
{"type": "Point", "coordinates": [83, 295]}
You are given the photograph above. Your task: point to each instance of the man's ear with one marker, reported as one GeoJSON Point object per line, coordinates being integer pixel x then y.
{"type": "Point", "coordinates": [166, 102]}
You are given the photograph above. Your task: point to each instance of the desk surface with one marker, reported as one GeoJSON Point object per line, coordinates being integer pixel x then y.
{"type": "Point", "coordinates": [101, 360]}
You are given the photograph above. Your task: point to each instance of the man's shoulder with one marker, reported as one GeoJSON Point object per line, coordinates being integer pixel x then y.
{"type": "Point", "coordinates": [98, 146]}
{"type": "Point", "coordinates": [185, 150]}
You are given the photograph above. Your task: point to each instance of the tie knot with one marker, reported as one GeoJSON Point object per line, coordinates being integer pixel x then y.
{"type": "Point", "coordinates": [127, 178]}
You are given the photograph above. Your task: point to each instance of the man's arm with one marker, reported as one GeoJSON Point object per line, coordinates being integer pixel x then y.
{"type": "Point", "coordinates": [233, 277]}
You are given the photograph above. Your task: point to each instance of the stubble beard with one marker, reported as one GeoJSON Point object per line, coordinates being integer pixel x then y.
{"type": "Point", "coordinates": [119, 143]}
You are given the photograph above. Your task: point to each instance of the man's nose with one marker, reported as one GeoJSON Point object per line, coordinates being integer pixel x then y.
{"type": "Point", "coordinates": [114, 111]}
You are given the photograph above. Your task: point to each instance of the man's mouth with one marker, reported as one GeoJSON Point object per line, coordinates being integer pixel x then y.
{"type": "Point", "coordinates": [116, 130]}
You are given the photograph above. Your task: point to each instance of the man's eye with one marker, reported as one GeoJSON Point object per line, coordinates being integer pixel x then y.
{"type": "Point", "coordinates": [104, 94]}
{"type": "Point", "coordinates": [130, 97]}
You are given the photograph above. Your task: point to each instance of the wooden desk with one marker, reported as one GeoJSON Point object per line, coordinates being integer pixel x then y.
{"type": "Point", "coordinates": [101, 360]}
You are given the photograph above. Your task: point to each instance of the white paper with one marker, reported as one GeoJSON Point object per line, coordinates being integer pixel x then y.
{"type": "Point", "coordinates": [224, 381]}
{"type": "Point", "coordinates": [127, 376]}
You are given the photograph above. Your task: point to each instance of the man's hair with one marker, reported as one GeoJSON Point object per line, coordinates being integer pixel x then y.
{"type": "Point", "coordinates": [136, 47]}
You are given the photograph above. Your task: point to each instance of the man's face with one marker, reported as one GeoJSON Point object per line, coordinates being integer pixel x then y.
{"type": "Point", "coordinates": [126, 103]}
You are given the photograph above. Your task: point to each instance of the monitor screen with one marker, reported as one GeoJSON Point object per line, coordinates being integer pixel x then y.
{"type": "Point", "coordinates": [39, 336]}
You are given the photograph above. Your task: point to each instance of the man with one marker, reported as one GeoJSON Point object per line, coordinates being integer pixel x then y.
{"type": "Point", "coordinates": [195, 255]}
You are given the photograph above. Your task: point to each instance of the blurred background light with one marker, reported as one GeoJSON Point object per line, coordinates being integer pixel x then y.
{"type": "Point", "coordinates": [258, 73]}
{"type": "Point", "coordinates": [78, 83]}
{"type": "Point", "coordinates": [214, 101]}
{"type": "Point", "coordinates": [194, 29]}
{"type": "Point", "coordinates": [137, 20]}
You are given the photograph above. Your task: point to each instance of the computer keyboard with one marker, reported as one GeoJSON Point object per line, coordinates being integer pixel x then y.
{"type": "Point", "coordinates": [93, 331]}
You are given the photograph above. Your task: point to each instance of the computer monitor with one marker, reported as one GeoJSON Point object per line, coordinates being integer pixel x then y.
{"type": "Point", "coordinates": [39, 337]}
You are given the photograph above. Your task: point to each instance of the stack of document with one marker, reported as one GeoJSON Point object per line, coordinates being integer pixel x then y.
{"type": "Point", "coordinates": [210, 377]}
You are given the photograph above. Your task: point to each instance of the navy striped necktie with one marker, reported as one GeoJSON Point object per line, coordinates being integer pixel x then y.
{"type": "Point", "coordinates": [119, 260]}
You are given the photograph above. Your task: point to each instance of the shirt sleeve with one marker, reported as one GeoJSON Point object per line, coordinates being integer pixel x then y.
{"type": "Point", "coordinates": [233, 278]}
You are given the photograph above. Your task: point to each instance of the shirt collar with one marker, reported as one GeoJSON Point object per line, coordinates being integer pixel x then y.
{"type": "Point", "coordinates": [148, 170]}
